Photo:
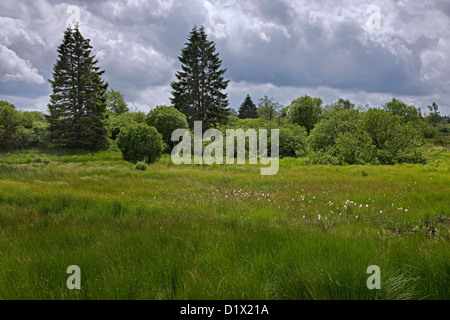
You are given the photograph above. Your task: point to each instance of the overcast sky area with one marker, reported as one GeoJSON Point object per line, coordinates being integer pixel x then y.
{"type": "Point", "coordinates": [280, 48]}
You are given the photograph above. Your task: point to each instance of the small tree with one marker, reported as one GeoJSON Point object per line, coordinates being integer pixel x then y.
{"type": "Point", "coordinates": [140, 143]}
{"type": "Point", "coordinates": [268, 108]}
{"type": "Point", "coordinates": [115, 102]}
{"type": "Point", "coordinates": [305, 112]}
{"type": "Point", "coordinates": [434, 116]}
{"type": "Point", "coordinates": [166, 120]}
{"type": "Point", "coordinates": [248, 109]}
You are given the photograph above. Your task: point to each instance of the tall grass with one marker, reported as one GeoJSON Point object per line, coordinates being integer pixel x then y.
{"type": "Point", "coordinates": [220, 232]}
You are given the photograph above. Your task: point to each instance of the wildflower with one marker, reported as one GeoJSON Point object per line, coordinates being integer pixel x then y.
{"type": "Point", "coordinates": [318, 216]}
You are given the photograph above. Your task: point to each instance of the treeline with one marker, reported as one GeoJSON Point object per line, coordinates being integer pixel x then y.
{"type": "Point", "coordinates": [84, 114]}
{"type": "Point", "coordinates": [343, 133]}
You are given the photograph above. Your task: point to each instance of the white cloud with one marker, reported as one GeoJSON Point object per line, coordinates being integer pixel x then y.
{"type": "Point", "coordinates": [14, 68]}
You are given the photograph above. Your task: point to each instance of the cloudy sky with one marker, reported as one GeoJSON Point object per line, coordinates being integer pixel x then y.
{"type": "Point", "coordinates": [280, 48]}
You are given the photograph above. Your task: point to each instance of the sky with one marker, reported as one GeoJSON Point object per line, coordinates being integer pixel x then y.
{"type": "Point", "coordinates": [365, 52]}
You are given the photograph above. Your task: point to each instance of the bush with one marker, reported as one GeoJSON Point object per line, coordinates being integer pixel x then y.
{"type": "Point", "coordinates": [292, 137]}
{"type": "Point", "coordinates": [166, 120]}
{"type": "Point", "coordinates": [20, 130]}
{"type": "Point", "coordinates": [428, 131]}
{"type": "Point", "coordinates": [292, 140]}
{"type": "Point", "coordinates": [354, 148]}
{"type": "Point", "coordinates": [378, 136]}
{"type": "Point", "coordinates": [322, 157]}
{"type": "Point", "coordinates": [395, 141]}
{"type": "Point", "coordinates": [9, 126]}
{"type": "Point", "coordinates": [141, 166]}
{"type": "Point", "coordinates": [140, 143]}
{"type": "Point", "coordinates": [335, 122]}
{"type": "Point", "coordinates": [116, 123]}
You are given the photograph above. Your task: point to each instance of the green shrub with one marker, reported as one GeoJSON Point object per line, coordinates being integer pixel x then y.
{"type": "Point", "coordinates": [21, 129]}
{"type": "Point", "coordinates": [395, 141]}
{"type": "Point", "coordinates": [292, 140]}
{"type": "Point", "coordinates": [140, 143]}
{"type": "Point", "coordinates": [428, 131]}
{"type": "Point", "coordinates": [378, 136]}
{"type": "Point", "coordinates": [141, 166]}
{"type": "Point", "coordinates": [322, 157]}
{"type": "Point", "coordinates": [354, 148]}
{"type": "Point", "coordinates": [116, 123]}
{"type": "Point", "coordinates": [334, 122]}
{"type": "Point", "coordinates": [166, 120]}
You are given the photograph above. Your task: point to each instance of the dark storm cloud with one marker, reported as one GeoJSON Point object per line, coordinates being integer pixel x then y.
{"type": "Point", "coordinates": [268, 46]}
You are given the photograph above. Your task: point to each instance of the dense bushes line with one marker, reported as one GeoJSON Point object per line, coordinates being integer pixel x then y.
{"type": "Point", "coordinates": [376, 136]}
{"type": "Point", "coordinates": [21, 129]}
{"type": "Point", "coordinates": [339, 133]}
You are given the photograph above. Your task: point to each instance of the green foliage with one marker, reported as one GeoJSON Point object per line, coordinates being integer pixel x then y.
{"type": "Point", "coordinates": [117, 123]}
{"type": "Point", "coordinates": [377, 136]}
{"type": "Point", "coordinates": [401, 109]}
{"type": "Point", "coordinates": [78, 102]}
{"type": "Point", "coordinates": [268, 108]}
{"type": "Point", "coordinates": [141, 165]}
{"type": "Point", "coordinates": [9, 126]}
{"type": "Point", "coordinates": [395, 141]}
{"type": "Point", "coordinates": [354, 148]}
{"type": "Point", "coordinates": [140, 143]}
{"type": "Point", "coordinates": [248, 109]}
{"type": "Point", "coordinates": [115, 102]}
{"type": "Point", "coordinates": [305, 112]}
{"type": "Point", "coordinates": [166, 120]}
{"type": "Point", "coordinates": [20, 130]}
{"type": "Point", "coordinates": [292, 137]}
{"type": "Point", "coordinates": [340, 104]}
{"type": "Point", "coordinates": [434, 116]}
{"type": "Point", "coordinates": [197, 92]}
{"type": "Point", "coordinates": [334, 122]}
{"type": "Point", "coordinates": [292, 140]}
{"type": "Point", "coordinates": [429, 131]}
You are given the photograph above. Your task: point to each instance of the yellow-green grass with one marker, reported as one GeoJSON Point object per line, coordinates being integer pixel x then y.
{"type": "Point", "coordinates": [220, 232]}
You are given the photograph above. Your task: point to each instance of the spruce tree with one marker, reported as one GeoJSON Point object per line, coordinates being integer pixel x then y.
{"type": "Point", "coordinates": [198, 90]}
{"type": "Point", "coordinates": [248, 109]}
{"type": "Point", "coordinates": [78, 103]}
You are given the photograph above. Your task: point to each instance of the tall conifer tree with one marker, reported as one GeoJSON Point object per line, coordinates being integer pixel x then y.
{"type": "Point", "coordinates": [198, 90]}
{"type": "Point", "coordinates": [78, 103]}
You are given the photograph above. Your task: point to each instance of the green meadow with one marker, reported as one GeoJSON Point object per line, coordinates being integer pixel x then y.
{"type": "Point", "coordinates": [221, 231]}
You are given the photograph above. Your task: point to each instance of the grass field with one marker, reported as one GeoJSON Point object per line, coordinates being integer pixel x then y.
{"type": "Point", "coordinates": [221, 232]}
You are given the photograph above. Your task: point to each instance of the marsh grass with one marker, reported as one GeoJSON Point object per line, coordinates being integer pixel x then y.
{"type": "Point", "coordinates": [220, 232]}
